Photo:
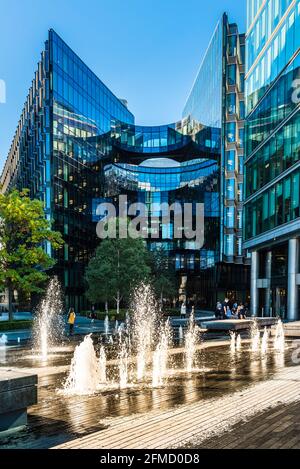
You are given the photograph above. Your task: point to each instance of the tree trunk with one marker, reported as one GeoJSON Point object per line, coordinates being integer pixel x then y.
{"type": "Point", "coordinates": [118, 304]}
{"type": "Point", "coordinates": [10, 304]}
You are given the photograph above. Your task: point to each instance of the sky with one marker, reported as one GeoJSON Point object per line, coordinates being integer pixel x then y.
{"type": "Point", "coordinates": [147, 51]}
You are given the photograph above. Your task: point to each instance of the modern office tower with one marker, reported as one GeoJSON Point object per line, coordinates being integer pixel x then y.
{"type": "Point", "coordinates": [217, 100]}
{"type": "Point", "coordinates": [272, 166]}
{"type": "Point", "coordinates": [77, 146]}
{"type": "Point", "coordinates": [52, 157]}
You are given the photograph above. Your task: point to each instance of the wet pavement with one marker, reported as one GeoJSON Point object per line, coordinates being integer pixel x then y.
{"type": "Point", "coordinates": [58, 418]}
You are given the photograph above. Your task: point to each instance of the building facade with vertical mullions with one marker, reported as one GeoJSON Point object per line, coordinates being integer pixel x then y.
{"type": "Point", "coordinates": [272, 164]}
{"type": "Point", "coordinates": [217, 100]}
{"type": "Point", "coordinates": [51, 154]}
{"type": "Point", "coordinates": [77, 145]}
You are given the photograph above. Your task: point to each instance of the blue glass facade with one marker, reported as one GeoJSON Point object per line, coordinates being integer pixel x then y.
{"type": "Point", "coordinates": [77, 145]}
{"type": "Point", "coordinates": [272, 149]}
{"type": "Point", "coordinates": [204, 103]}
{"type": "Point", "coordinates": [217, 99]}
{"type": "Point", "coordinates": [53, 156]}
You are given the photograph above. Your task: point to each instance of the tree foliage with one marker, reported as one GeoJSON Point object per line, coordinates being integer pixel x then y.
{"type": "Point", "coordinates": [118, 265]}
{"type": "Point", "coordinates": [164, 277]}
{"type": "Point", "coordinates": [24, 231]}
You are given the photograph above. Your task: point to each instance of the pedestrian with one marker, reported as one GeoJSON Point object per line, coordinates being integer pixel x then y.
{"type": "Point", "coordinates": [183, 310]}
{"type": "Point", "coordinates": [225, 306]}
{"type": "Point", "coordinates": [71, 320]}
{"type": "Point", "coordinates": [218, 311]}
{"type": "Point", "coordinates": [241, 312]}
{"type": "Point", "coordinates": [230, 314]}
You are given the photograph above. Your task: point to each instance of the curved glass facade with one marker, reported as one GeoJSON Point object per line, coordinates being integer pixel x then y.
{"type": "Point", "coordinates": [165, 138]}
{"type": "Point", "coordinates": [77, 145]}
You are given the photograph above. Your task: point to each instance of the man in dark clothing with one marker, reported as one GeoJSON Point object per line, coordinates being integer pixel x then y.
{"type": "Point", "coordinates": [225, 305]}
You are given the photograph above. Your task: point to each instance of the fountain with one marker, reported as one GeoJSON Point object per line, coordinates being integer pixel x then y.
{"type": "Point", "coordinates": [235, 342]}
{"type": "Point", "coordinates": [144, 317]}
{"type": "Point", "coordinates": [264, 342]}
{"type": "Point", "coordinates": [191, 340]}
{"type": "Point", "coordinates": [238, 342]}
{"type": "Point", "coordinates": [160, 357]}
{"type": "Point", "coordinates": [102, 365]}
{"type": "Point", "coordinates": [279, 340]}
{"type": "Point", "coordinates": [48, 324]}
{"type": "Point", "coordinates": [232, 342]}
{"type": "Point", "coordinates": [123, 364]}
{"type": "Point", "coordinates": [145, 343]}
{"type": "Point", "coordinates": [3, 340]}
{"type": "Point", "coordinates": [180, 333]}
{"type": "Point", "coordinates": [255, 337]}
{"type": "Point", "coordinates": [106, 325]}
{"type": "Point", "coordinates": [84, 376]}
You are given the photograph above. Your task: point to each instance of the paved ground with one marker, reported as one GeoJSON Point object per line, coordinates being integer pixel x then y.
{"type": "Point", "coordinates": [58, 419]}
{"type": "Point", "coordinates": [189, 424]}
{"type": "Point", "coordinates": [224, 401]}
{"type": "Point", "coordinates": [276, 428]}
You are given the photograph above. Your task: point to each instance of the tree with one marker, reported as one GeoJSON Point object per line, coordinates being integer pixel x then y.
{"type": "Point", "coordinates": [164, 278]}
{"type": "Point", "coordinates": [118, 265]}
{"type": "Point", "coordinates": [24, 231]}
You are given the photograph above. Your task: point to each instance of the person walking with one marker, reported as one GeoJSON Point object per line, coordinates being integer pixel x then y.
{"type": "Point", "coordinates": [71, 320]}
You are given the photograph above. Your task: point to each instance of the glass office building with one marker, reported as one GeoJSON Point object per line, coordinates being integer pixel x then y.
{"type": "Point", "coordinates": [272, 174]}
{"type": "Point", "coordinates": [217, 99]}
{"type": "Point", "coordinates": [77, 145]}
{"type": "Point", "coordinates": [52, 156]}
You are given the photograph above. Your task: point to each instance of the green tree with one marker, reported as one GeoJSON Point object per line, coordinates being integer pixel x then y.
{"type": "Point", "coordinates": [164, 278]}
{"type": "Point", "coordinates": [24, 231]}
{"type": "Point", "coordinates": [118, 265]}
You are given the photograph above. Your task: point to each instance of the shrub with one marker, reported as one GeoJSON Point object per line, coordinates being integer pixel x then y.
{"type": "Point", "coordinates": [15, 325]}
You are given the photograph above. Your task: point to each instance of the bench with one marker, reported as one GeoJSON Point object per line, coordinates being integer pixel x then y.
{"type": "Point", "coordinates": [17, 392]}
{"type": "Point", "coordinates": [237, 324]}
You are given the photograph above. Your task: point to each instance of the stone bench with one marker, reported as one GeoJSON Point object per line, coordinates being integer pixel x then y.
{"type": "Point", "coordinates": [17, 392]}
{"type": "Point", "coordinates": [237, 324]}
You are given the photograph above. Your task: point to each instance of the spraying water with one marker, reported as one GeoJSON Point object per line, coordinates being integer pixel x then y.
{"type": "Point", "coordinates": [264, 342]}
{"type": "Point", "coordinates": [123, 357]}
{"type": "Point", "coordinates": [48, 325]}
{"type": "Point", "coordinates": [102, 365]}
{"type": "Point", "coordinates": [180, 333]}
{"type": "Point", "coordinates": [232, 342]}
{"type": "Point", "coordinates": [255, 337]}
{"type": "Point", "coordinates": [84, 376]}
{"type": "Point", "coordinates": [160, 357]}
{"type": "Point", "coordinates": [191, 341]}
{"type": "Point", "coordinates": [3, 340]}
{"type": "Point", "coordinates": [144, 317]}
{"type": "Point", "coordinates": [279, 341]}
{"type": "Point", "coordinates": [238, 342]}
{"type": "Point", "coordinates": [106, 325]}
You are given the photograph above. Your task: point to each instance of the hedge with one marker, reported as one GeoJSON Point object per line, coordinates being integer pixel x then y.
{"type": "Point", "coordinates": [15, 325]}
{"type": "Point", "coordinates": [112, 314]}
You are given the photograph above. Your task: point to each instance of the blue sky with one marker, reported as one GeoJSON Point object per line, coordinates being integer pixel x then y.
{"type": "Point", "coordinates": [147, 51]}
